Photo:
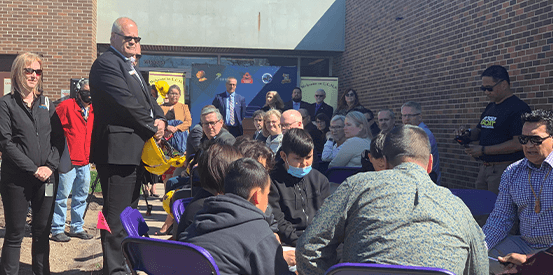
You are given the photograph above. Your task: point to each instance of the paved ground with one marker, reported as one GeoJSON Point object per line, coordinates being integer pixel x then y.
{"type": "Point", "coordinates": [84, 256]}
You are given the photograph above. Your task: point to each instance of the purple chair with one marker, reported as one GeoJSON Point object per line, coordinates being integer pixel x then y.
{"type": "Point", "coordinates": [178, 208]}
{"type": "Point", "coordinates": [480, 202]}
{"type": "Point", "coordinates": [338, 174]}
{"type": "Point", "coordinates": [155, 256]}
{"type": "Point", "coordinates": [133, 222]}
{"type": "Point", "coordinates": [368, 269]}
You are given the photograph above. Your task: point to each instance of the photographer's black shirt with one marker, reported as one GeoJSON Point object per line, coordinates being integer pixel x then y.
{"type": "Point", "coordinates": [500, 123]}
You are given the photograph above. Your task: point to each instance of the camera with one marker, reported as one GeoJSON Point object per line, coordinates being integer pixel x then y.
{"type": "Point", "coordinates": [464, 138]}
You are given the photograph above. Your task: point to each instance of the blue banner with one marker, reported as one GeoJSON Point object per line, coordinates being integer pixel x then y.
{"type": "Point", "coordinates": [253, 83]}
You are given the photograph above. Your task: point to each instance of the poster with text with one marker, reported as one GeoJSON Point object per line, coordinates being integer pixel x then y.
{"type": "Point", "coordinates": [309, 85]}
{"type": "Point", "coordinates": [253, 82]}
{"type": "Point", "coordinates": [171, 79]}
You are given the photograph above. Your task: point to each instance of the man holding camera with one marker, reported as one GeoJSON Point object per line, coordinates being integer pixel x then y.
{"type": "Point", "coordinates": [498, 130]}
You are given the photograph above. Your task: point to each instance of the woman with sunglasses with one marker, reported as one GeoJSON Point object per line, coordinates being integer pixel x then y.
{"type": "Point", "coordinates": [348, 102]}
{"type": "Point", "coordinates": [31, 141]}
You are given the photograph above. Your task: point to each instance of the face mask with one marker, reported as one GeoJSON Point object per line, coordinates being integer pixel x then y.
{"type": "Point", "coordinates": [298, 172]}
{"type": "Point", "coordinates": [85, 96]}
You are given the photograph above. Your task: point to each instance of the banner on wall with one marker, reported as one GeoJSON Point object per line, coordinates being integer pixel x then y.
{"type": "Point", "coordinates": [253, 82]}
{"type": "Point", "coordinates": [309, 85]}
{"type": "Point", "coordinates": [171, 79]}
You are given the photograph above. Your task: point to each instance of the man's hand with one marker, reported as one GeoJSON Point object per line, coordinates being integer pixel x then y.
{"type": "Point", "coordinates": [329, 135]}
{"type": "Point", "coordinates": [474, 151]}
{"type": "Point", "coordinates": [43, 173]}
{"type": "Point", "coordinates": [290, 257]}
{"type": "Point", "coordinates": [461, 131]}
{"type": "Point", "coordinates": [160, 124]}
{"type": "Point", "coordinates": [172, 129]}
{"type": "Point", "coordinates": [513, 260]}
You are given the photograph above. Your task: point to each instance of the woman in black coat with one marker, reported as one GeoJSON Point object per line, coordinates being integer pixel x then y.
{"type": "Point", "coordinates": [31, 141]}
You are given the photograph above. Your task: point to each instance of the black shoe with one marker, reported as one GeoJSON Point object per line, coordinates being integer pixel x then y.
{"type": "Point", "coordinates": [82, 235]}
{"type": "Point", "coordinates": [61, 237]}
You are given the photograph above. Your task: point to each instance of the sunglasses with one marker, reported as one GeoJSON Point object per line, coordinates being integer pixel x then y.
{"type": "Point", "coordinates": [484, 88]}
{"type": "Point", "coordinates": [129, 38]}
{"type": "Point", "coordinates": [319, 95]}
{"type": "Point", "coordinates": [31, 71]}
{"type": "Point", "coordinates": [536, 140]}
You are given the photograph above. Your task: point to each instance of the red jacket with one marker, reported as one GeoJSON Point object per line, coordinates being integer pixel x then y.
{"type": "Point", "coordinates": [77, 131]}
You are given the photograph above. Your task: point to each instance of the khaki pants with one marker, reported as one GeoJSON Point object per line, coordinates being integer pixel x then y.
{"type": "Point", "coordinates": [489, 177]}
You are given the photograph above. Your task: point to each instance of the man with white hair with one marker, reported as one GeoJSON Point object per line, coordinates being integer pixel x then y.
{"type": "Point", "coordinates": [320, 107]}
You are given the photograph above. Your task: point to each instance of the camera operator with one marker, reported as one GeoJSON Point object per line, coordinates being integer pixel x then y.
{"type": "Point", "coordinates": [498, 129]}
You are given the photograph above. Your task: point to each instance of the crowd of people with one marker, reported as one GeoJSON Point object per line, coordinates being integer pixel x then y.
{"type": "Point", "coordinates": [262, 204]}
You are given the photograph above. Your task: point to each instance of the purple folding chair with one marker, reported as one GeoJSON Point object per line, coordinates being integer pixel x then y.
{"type": "Point", "coordinates": [369, 269]}
{"type": "Point", "coordinates": [178, 208]}
{"type": "Point", "coordinates": [338, 174]}
{"type": "Point", "coordinates": [480, 202]}
{"type": "Point", "coordinates": [133, 222]}
{"type": "Point", "coordinates": [155, 256]}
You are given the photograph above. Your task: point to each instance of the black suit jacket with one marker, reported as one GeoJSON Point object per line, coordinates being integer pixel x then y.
{"type": "Point", "coordinates": [303, 105]}
{"type": "Point", "coordinates": [122, 108]}
{"type": "Point", "coordinates": [325, 109]}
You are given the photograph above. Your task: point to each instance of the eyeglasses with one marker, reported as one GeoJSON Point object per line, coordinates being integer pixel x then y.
{"type": "Point", "coordinates": [129, 38]}
{"type": "Point", "coordinates": [409, 115]}
{"type": "Point", "coordinates": [31, 71]}
{"type": "Point", "coordinates": [210, 123]}
{"type": "Point", "coordinates": [319, 95]}
{"type": "Point", "coordinates": [536, 140]}
{"type": "Point", "coordinates": [173, 94]}
{"type": "Point", "coordinates": [484, 88]}
{"type": "Point", "coordinates": [287, 125]}
{"type": "Point", "coordinates": [335, 127]}
{"type": "Point", "coordinates": [350, 94]}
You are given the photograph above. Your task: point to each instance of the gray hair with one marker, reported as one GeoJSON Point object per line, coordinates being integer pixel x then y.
{"type": "Point", "coordinates": [209, 110]}
{"type": "Point", "coordinates": [338, 117]}
{"type": "Point", "coordinates": [392, 115]}
{"type": "Point", "coordinates": [321, 91]}
{"type": "Point", "coordinates": [360, 120]}
{"type": "Point", "coordinates": [304, 113]}
{"type": "Point", "coordinates": [258, 113]}
{"type": "Point", "coordinates": [413, 105]}
{"type": "Point", "coordinates": [406, 141]}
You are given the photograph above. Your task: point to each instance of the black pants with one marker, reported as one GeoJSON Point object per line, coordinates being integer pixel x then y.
{"type": "Point", "coordinates": [120, 188]}
{"type": "Point", "coordinates": [17, 191]}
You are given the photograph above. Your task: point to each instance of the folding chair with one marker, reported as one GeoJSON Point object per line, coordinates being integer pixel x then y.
{"type": "Point", "coordinates": [133, 222]}
{"type": "Point", "coordinates": [338, 174]}
{"type": "Point", "coordinates": [155, 256]}
{"type": "Point", "coordinates": [178, 208]}
{"type": "Point", "coordinates": [369, 269]}
{"type": "Point", "coordinates": [480, 202]}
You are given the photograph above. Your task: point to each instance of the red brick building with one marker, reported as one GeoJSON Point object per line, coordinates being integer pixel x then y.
{"type": "Point", "coordinates": [433, 52]}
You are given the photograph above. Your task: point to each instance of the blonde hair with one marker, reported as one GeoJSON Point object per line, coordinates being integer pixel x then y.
{"type": "Point", "coordinates": [18, 77]}
{"type": "Point", "coordinates": [360, 121]}
{"type": "Point", "coordinates": [268, 115]}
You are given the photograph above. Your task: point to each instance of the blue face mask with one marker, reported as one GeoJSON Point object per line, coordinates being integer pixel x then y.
{"type": "Point", "coordinates": [298, 172]}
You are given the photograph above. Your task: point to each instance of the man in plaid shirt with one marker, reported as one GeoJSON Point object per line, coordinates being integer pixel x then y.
{"type": "Point", "coordinates": [526, 192]}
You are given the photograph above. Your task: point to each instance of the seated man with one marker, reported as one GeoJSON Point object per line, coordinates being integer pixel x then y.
{"type": "Point", "coordinates": [233, 227]}
{"type": "Point", "coordinates": [521, 194]}
{"type": "Point", "coordinates": [396, 216]}
{"type": "Point", "coordinates": [297, 190]}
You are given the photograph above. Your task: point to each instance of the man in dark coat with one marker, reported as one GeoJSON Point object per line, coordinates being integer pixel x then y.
{"type": "Point", "coordinates": [126, 116]}
{"type": "Point", "coordinates": [232, 106]}
{"type": "Point", "coordinates": [320, 107]}
{"type": "Point", "coordinates": [296, 103]}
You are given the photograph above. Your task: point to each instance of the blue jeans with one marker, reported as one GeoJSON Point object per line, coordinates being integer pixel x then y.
{"type": "Point", "coordinates": [78, 181]}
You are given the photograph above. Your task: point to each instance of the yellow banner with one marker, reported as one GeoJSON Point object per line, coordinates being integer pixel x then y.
{"type": "Point", "coordinates": [171, 79]}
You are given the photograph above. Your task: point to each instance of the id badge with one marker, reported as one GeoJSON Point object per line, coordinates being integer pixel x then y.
{"type": "Point", "coordinates": [48, 189]}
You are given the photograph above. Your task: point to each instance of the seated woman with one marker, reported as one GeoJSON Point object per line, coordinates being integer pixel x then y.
{"type": "Point", "coordinates": [258, 123]}
{"type": "Point", "coordinates": [322, 122]}
{"type": "Point", "coordinates": [348, 102]}
{"type": "Point", "coordinates": [271, 129]}
{"type": "Point", "coordinates": [358, 135]}
{"type": "Point", "coordinates": [178, 119]}
{"type": "Point", "coordinates": [335, 138]}
{"type": "Point", "coordinates": [212, 168]}
{"type": "Point", "coordinates": [273, 101]}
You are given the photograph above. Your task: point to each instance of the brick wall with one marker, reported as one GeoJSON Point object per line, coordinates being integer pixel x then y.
{"type": "Point", "coordinates": [435, 56]}
{"type": "Point", "coordinates": [63, 31]}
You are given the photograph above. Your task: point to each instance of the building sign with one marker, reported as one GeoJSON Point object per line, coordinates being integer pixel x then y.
{"type": "Point", "coordinates": [309, 85]}
{"type": "Point", "coordinates": [171, 79]}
